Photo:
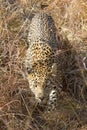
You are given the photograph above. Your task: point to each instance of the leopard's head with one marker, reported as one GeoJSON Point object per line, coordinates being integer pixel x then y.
{"type": "Point", "coordinates": [38, 79]}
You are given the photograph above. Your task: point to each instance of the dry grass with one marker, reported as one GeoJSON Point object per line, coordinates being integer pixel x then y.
{"type": "Point", "coordinates": [18, 110]}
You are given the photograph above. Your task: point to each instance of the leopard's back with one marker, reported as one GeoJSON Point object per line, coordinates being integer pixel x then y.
{"type": "Point", "coordinates": [42, 28]}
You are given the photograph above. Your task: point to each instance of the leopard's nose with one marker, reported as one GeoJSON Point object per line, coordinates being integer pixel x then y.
{"type": "Point", "coordinates": [41, 98]}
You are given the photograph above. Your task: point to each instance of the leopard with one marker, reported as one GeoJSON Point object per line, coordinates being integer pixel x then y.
{"type": "Point", "coordinates": [51, 63]}
{"type": "Point", "coordinates": [43, 70]}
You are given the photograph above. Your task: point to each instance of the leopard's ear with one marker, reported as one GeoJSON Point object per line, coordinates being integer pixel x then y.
{"type": "Point", "coordinates": [54, 69]}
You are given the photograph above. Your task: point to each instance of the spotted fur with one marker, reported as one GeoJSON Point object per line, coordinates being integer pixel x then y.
{"type": "Point", "coordinates": [43, 71]}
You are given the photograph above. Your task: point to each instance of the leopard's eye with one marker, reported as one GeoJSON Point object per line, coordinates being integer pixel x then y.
{"type": "Point", "coordinates": [29, 70]}
{"type": "Point", "coordinates": [54, 87]}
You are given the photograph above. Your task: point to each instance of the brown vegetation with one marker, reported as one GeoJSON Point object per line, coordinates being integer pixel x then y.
{"type": "Point", "coordinates": [18, 110]}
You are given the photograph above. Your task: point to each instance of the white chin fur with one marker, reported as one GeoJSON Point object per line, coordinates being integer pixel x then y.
{"type": "Point", "coordinates": [39, 100]}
